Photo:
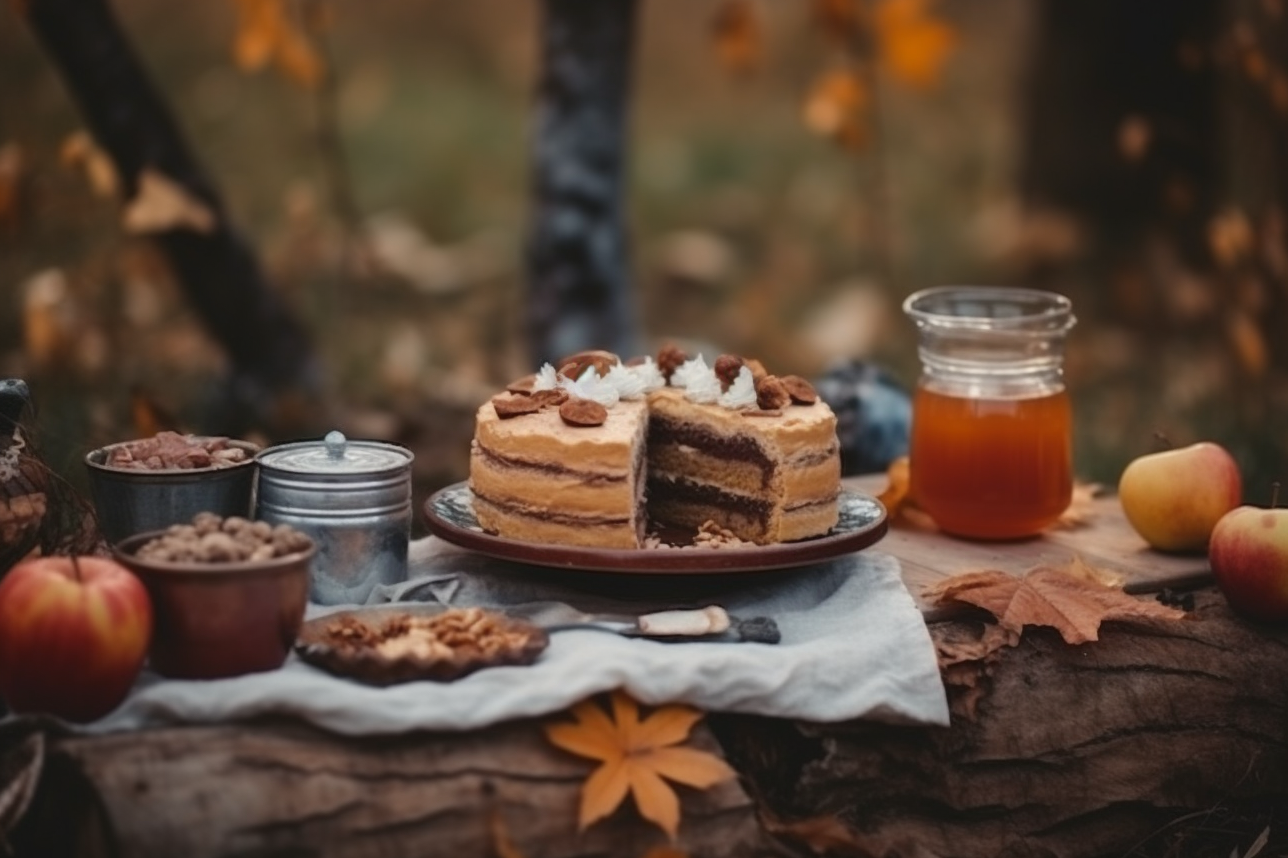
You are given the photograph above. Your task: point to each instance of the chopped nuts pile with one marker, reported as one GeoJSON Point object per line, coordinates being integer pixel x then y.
{"type": "Point", "coordinates": [214, 539]}
{"type": "Point", "coordinates": [170, 450]}
{"type": "Point", "coordinates": [455, 634]}
{"type": "Point", "coordinates": [710, 535]}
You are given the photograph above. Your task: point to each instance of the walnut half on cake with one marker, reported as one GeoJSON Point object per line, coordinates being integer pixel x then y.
{"type": "Point", "coordinates": [673, 443]}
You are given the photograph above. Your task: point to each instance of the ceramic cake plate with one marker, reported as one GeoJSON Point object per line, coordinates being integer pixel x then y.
{"type": "Point", "coordinates": [450, 515]}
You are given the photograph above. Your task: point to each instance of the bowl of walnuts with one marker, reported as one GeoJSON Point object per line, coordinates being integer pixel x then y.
{"type": "Point", "coordinates": [228, 594]}
{"type": "Point", "coordinates": [150, 483]}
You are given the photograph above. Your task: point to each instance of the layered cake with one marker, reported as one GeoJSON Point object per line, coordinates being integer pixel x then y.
{"type": "Point", "coordinates": [597, 453]}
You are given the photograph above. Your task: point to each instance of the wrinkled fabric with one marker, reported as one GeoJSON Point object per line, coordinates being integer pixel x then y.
{"type": "Point", "coordinates": [853, 645]}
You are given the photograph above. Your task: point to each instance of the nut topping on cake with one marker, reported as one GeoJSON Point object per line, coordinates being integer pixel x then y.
{"type": "Point", "coordinates": [515, 405]}
{"type": "Point", "coordinates": [726, 368]}
{"type": "Point", "coordinates": [771, 393]}
{"type": "Point", "coordinates": [669, 359]}
{"type": "Point", "coordinates": [583, 412]}
{"type": "Point", "coordinates": [800, 390]}
{"type": "Point", "coordinates": [550, 397]}
{"type": "Point", "coordinates": [575, 365]}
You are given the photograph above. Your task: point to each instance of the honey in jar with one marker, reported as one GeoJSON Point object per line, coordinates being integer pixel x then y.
{"type": "Point", "coordinates": [991, 449]}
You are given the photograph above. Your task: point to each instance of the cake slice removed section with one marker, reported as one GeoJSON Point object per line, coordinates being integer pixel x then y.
{"type": "Point", "coordinates": [537, 479]}
{"type": "Point", "coordinates": [768, 476]}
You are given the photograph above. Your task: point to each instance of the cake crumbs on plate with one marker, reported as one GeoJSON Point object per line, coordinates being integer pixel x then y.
{"type": "Point", "coordinates": [709, 535]}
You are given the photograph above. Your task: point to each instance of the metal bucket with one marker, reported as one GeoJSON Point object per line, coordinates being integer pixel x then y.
{"type": "Point", "coordinates": [133, 501]}
{"type": "Point", "coordinates": [354, 499]}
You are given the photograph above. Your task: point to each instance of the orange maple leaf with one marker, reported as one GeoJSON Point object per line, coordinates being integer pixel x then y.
{"type": "Point", "coordinates": [1068, 600]}
{"type": "Point", "coordinates": [266, 31]}
{"type": "Point", "coordinates": [637, 755]}
{"type": "Point", "coordinates": [914, 45]}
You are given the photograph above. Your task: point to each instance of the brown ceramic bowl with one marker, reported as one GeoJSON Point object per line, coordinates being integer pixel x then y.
{"type": "Point", "coordinates": [214, 620]}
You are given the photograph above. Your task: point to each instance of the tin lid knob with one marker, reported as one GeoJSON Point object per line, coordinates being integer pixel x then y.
{"type": "Point", "coordinates": [335, 443]}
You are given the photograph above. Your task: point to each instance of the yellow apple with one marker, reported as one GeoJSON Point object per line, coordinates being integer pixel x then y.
{"type": "Point", "coordinates": [1174, 498]}
{"type": "Point", "coordinates": [1249, 556]}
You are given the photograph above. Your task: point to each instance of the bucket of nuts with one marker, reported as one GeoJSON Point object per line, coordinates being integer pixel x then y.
{"type": "Point", "coordinates": [228, 594]}
{"type": "Point", "coordinates": [151, 483]}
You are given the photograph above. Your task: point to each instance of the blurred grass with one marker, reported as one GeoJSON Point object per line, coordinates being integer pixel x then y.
{"type": "Point", "coordinates": [748, 232]}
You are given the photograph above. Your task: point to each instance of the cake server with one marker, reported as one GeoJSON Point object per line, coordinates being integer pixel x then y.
{"type": "Point", "coordinates": [710, 623]}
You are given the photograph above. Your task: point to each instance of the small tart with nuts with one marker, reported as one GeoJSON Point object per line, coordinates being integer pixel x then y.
{"type": "Point", "coordinates": [390, 645]}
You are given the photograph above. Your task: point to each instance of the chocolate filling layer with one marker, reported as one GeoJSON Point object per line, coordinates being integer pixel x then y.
{"type": "Point", "coordinates": [683, 491]}
{"type": "Point", "coordinates": [738, 448]}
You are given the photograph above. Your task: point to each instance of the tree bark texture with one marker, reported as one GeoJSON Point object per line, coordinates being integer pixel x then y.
{"type": "Point", "coordinates": [270, 352]}
{"type": "Point", "coordinates": [203, 792]}
{"type": "Point", "coordinates": [1165, 739]}
{"type": "Point", "coordinates": [579, 285]}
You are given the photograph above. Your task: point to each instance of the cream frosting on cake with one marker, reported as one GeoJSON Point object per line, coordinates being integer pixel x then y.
{"type": "Point", "coordinates": [724, 447]}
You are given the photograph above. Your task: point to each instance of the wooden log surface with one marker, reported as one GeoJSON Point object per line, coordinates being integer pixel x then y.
{"type": "Point", "coordinates": [1156, 740]}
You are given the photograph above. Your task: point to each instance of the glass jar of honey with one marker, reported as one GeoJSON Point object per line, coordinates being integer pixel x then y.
{"type": "Point", "coordinates": [991, 452]}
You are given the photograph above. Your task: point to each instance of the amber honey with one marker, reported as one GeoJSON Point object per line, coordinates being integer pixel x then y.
{"type": "Point", "coordinates": [992, 468]}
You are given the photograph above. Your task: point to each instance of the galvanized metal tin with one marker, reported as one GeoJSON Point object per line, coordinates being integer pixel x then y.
{"type": "Point", "coordinates": [354, 499]}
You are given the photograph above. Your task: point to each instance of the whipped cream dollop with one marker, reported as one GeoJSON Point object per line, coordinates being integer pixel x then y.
{"type": "Point", "coordinates": [742, 393]}
{"type": "Point", "coordinates": [649, 374]}
{"type": "Point", "coordinates": [547, 378]}
{"type": "Point", "coordinates": [698, 380]}
{"type": "Point", "coordinates": [590, 385]}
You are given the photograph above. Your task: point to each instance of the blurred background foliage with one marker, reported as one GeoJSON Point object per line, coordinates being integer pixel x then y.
{"type": "Point", "coordinates": [794, 174]}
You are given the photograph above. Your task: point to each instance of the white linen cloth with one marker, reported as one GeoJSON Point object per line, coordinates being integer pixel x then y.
{"type": "Point", "coordinates": [853, 645]}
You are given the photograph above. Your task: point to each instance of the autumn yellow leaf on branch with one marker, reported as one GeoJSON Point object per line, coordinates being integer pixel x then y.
{"type": "Point", "coordinates": [739, 41]}
{"type": "Point", "coordinates": [836, 107]}
{"type": "Point", "coordinates": [267, 32]}
{"type": "Point", "coordinates": [914, 45]}
{"type": "Point", "coordinates": [637, 756]}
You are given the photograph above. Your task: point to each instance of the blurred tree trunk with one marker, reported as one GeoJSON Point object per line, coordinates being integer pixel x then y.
{"type": "Point", "coordinates": [1121, 128]}
{"type": "Point", "coordinates": [579, 288]}
{"type": "Point", "coordinates": [274, 375]}
{"type": "Point", "coordinates": [1156, 133]}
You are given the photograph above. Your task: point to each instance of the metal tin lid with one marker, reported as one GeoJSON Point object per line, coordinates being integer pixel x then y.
{"type": "Point", "coordinates": [336, 454]}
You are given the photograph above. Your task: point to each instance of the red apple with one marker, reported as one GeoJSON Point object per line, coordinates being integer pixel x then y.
{"type": "Point", "coordinates": [1249, 556]}
{"type": "Point", "coordinates": [73, 635]}
{"type": "Point", "coordinates": [1174, 498]}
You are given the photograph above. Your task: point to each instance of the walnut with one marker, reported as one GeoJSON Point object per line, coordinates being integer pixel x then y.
{"type": "Point", "coordinates": [771, 393]}
{"type": "Point", "coordinates": [800, 390]}
{"type": "Point", "coordinates": [726, 368]}
{"type": "Point", "coordinates": [669, 359]}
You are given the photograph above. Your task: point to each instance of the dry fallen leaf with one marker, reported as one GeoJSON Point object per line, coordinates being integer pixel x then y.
{"type": "Point", "coordinates": [1081, 509]}
{"type": "Point", "coordinates": [895, 497]}
{"type": "Point", "coordinates": [1048, 596]}
{"type": "Point", "coordinates": [637, 755]}
{"type": "Point", "coordinates": [162, 204]}
{"type": "Point", "coordinates": [738, 36]}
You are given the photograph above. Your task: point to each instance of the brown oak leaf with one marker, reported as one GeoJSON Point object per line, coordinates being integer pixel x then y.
{"type": "Point", "coordinates": [161, 204]}
{"type": "Point", "coordinates": [1047, 596]}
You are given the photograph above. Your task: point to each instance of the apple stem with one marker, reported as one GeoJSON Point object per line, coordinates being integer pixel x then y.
{"type": "Point", "coordinates": [1161, 441]}
{"type": "Point", "coordinates": [1274, 494]}
{"type": "Point", "coordinates": [76, 567]}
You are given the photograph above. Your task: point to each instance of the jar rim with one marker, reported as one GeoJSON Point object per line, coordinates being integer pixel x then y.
{"type": "Point", "coordinates": [978, 306]}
